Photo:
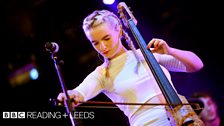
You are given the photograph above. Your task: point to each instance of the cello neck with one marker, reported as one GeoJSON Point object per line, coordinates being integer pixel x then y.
{"type": "Point", "coordinates": [168, 91]}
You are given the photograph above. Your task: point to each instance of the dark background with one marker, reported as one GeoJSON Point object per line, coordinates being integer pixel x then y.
{"type": "Point", "coordinates": [26, 25]}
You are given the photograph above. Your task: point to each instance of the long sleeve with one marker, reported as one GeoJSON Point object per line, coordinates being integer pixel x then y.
{"type": "Point", "coordinates": [170, 63]}
{"type": "Point", "coordinates": [91, 85]}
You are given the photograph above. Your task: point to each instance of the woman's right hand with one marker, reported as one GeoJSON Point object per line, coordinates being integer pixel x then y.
{"type": "Point", "coordinates": [74, 95]}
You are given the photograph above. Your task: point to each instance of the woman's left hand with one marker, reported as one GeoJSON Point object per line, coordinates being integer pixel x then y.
{"type": "Point", "coordinates": [159, 46]}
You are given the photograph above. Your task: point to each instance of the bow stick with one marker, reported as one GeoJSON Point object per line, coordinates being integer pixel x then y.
{"type": "Point", "coordinates": [105, 104]}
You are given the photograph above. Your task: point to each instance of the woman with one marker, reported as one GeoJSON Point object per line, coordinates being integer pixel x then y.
{"type": "Point", "coordinates": [124, 76]}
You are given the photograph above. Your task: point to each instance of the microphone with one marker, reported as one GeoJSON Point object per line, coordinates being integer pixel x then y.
{"type": "Point", "coordinates": [52, 47]}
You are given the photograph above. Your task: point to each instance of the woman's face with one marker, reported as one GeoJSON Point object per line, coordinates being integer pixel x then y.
{"type": "Point", "coordinates": [105, 39]}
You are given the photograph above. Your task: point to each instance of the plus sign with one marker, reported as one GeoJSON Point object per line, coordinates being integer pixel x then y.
{"type": "Point", "coordinates": [65, 115]}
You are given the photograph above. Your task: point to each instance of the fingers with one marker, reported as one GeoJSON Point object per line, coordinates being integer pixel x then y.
{"type": "Point", "coordinates": [150, 44]}
{"type": "Point", "coordinates": [159, 46]}
{"type": "Point", "coordinates": [156, 43]}
{"type": "Point", "coordinates": [74, 96]}
{"type": "Point", "coordinates": [62, 97]}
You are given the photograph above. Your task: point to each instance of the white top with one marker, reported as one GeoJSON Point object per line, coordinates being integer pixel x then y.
{"type": "Point", "coordinates": [124, 83]}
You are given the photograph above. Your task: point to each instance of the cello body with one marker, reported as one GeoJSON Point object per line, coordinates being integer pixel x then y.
{"type": "Point", "coordinates": [183, 115]}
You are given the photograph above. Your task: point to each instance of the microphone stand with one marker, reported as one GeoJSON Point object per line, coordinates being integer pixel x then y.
{"type": "Point", "coordinates": [68, 102]}
{"type": "Point", "coordinates": [53, 48]}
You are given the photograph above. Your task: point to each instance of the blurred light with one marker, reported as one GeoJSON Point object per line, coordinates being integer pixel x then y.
{"type": "Point", "coordinates": [109, 2]}
{"type": "Point", "coordinates": [34, 74]}
{"type": "Point", "coordinates": [23, 75]}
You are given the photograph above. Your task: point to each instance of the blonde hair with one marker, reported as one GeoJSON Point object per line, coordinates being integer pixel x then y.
{"type": "Point", "coordinates": [99, 17]}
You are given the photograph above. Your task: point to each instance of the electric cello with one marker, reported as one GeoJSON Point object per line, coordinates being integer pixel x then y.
{"type": "Point", "coordinates": [178, 112]}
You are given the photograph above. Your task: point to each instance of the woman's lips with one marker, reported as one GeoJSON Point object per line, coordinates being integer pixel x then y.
{"type": "Point", "coordinates": [106, 52]}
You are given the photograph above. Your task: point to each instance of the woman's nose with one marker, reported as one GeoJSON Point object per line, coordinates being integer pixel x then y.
{"type": "Point", "coordinates": [102, 46]}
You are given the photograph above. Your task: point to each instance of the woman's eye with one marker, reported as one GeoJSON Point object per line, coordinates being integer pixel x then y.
{"type": "Point", "coordinates": [95, 43]}
{"type": "Point", "coordinates": [107, 38]}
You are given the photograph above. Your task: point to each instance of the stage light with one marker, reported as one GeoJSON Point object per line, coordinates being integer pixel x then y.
{"type": "Point", "coordinates": [34, 74]}
{"type": "Point", "coordinates": [23, 75]}
{"type": "Point", "coordinates": [108, 2]}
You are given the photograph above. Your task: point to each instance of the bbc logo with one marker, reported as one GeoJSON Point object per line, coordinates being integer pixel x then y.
{"type": "Point", "coordinates": [13, 115]}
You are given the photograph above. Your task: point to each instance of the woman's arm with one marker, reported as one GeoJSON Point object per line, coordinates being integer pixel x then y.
{"type": "Point", "coordinates": [190, 60]}
{"type": "Point", "coordinates": [89, 88]}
